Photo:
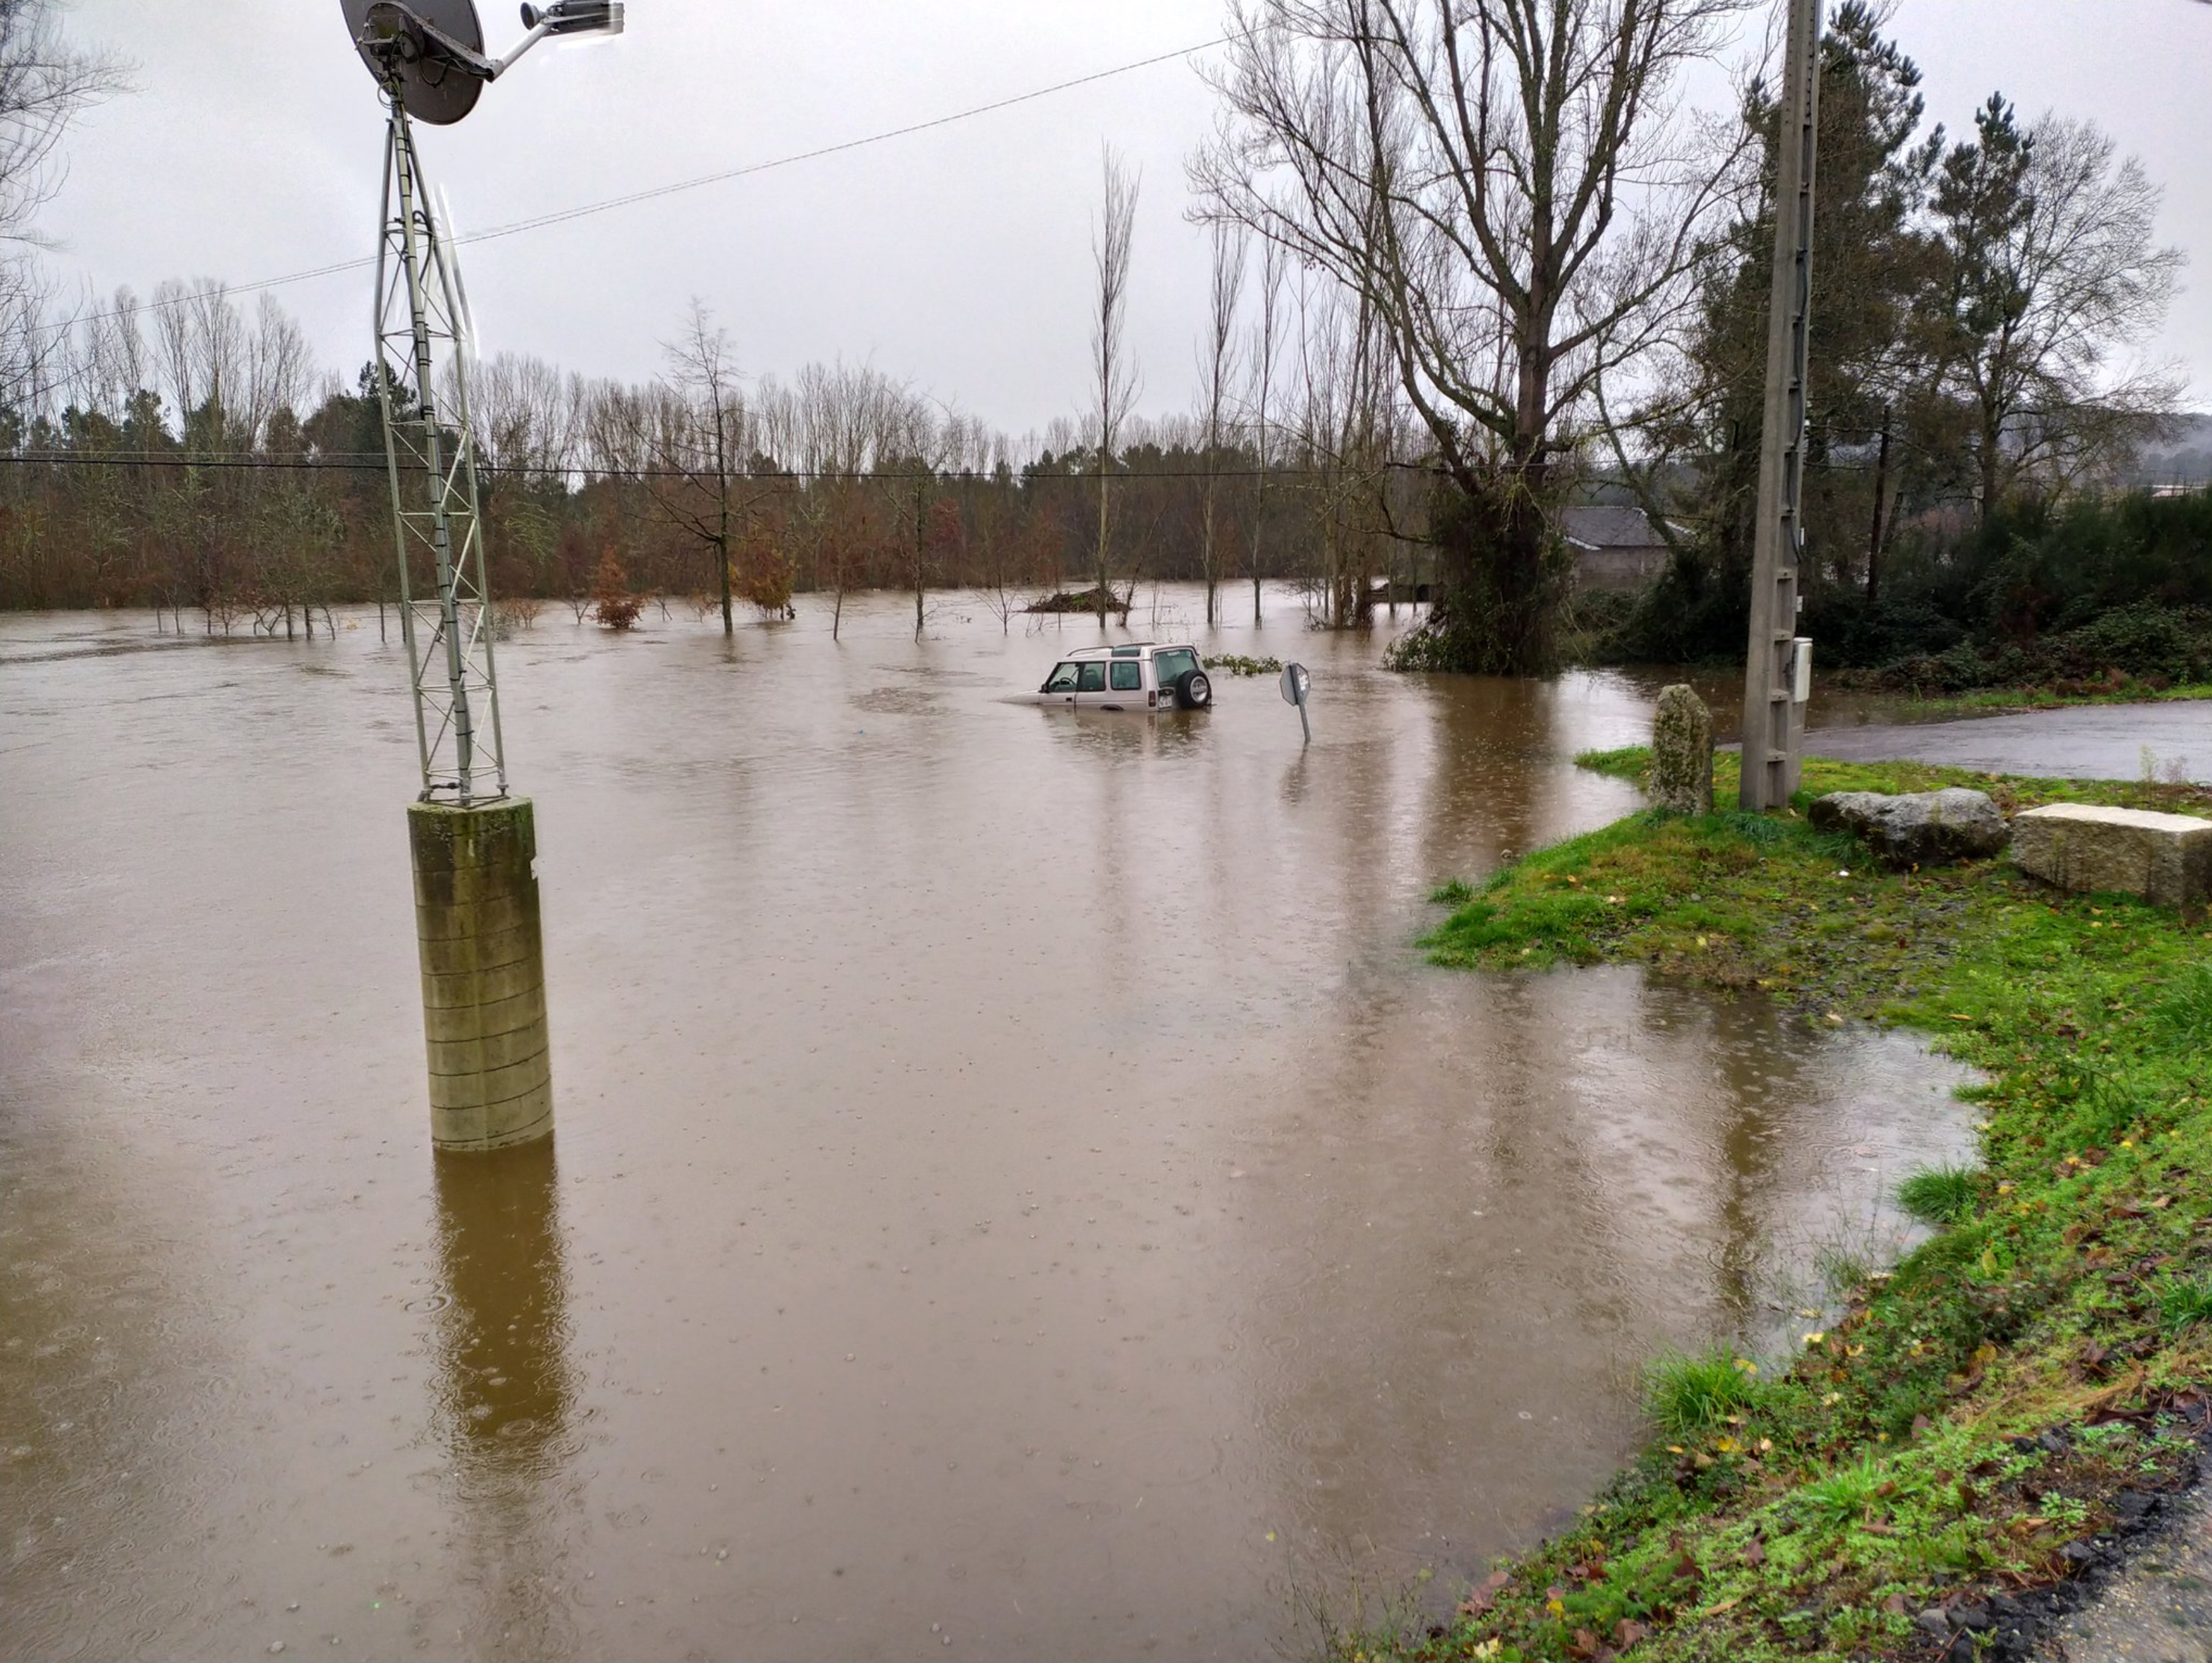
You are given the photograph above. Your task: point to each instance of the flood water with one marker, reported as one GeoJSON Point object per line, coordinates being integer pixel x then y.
{"type": "Point", "coordinates": [1017, 1189]}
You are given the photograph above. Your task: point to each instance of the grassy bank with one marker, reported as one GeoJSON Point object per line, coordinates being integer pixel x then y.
{"type": "Point", "coordinates": [1954, 1445]}
{"type": "Point", "coordinates": [1991, 701]}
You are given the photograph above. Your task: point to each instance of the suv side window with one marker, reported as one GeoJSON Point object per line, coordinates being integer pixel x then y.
{"type": "Point", "coordinates": [1093, 677]}
{"type": "Point", "coordinates": [1128, 678]}
{"type": "Point", "coordinates": [1062, 680]}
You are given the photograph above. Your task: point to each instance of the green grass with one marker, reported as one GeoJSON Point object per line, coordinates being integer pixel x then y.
{"type": "Point", "coordinates": [1848, 1493]}
{"type": "Point", "coordinates": [1808, 1510]}
{"type": "Point", "coordinates": [2011, 792]}
{"type": "Point", "coordinates": [1690, 1394]}
{"type": "Point", "coordinates": [1992, 700]}
{"type": "Point", "coordinates": [1939, 1195]}
{"type": "Point", "coordinates": [2185, 1301]}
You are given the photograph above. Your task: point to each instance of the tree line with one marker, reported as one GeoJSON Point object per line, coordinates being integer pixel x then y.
{"type": "Point", "coordinates": [269, 495]}
{"type": "Point", "coordinates": [1471, 265]}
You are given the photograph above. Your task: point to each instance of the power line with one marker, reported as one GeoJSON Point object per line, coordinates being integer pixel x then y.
{"type": "Point", "coordinates": [371, 462]}
{"type": "Point", "coordinates": [654, 193]}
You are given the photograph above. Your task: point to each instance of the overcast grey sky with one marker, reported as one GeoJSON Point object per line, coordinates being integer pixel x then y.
{"type": "Point", "coordinates": [958, 259]}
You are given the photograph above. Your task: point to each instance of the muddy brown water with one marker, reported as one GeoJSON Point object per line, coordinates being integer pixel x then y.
{"type": "Point", "coordinates": [1018, 1189]}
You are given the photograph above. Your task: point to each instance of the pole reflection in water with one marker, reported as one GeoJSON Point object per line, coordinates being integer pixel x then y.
{"type": "Point", "coordinates": [505, 1391]}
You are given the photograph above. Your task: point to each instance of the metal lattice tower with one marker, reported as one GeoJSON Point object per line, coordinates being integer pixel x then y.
{"type": "Point", "coordinates": [445, 606]}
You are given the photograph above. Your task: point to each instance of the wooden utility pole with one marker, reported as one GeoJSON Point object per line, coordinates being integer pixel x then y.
{"type": "Point", "coordinates": [1778, 667]}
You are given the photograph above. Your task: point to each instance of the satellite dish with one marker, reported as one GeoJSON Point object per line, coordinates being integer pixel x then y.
{"type": "Point", "coordinates": [435, 48]}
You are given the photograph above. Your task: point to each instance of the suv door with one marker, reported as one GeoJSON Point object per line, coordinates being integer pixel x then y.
{"type": "Point", "coordinates": [1060, 687]}
{"type": "Point", "coordinates": [1168, 664]}
{"type": "Point", "coordinates": [1091, 685]}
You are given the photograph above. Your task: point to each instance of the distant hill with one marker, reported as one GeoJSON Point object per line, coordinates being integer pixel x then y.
{"type": "Point", "coordinates": [2184, 457]}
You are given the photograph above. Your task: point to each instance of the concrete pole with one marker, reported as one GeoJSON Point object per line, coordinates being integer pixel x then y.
{"type": "Point", "coordinates": [1773, 714]}
{"type": "Point", "coordinates": [483, 976]}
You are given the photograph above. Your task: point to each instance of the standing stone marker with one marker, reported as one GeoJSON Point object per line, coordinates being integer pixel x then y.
{"type": "Point", "coordinates": [1682, 754]}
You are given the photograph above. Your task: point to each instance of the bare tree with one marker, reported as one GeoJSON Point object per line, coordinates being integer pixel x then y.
{"type": "Point", "coordinates": [1342, 429]}
{"type": "Point", "coordinates": [684, 433]}
{"type": "Point", "coordinates": [527, 415]}
{"type": "Point", "coordinates": [203, 347]}
{"type": "Point", "coordinates": [1264, 347]}
{"type": "Point", "coordinates": [1504, 181]}
{"type": "Point", "coordinates": [1116, 376]}
{"type": "Point", "coordinates": [46, 81]}
{"type": "Point", "coordinates": [1218, 368]}
{"type": "Point", "coordinates": [280, 368]}
{"type": "Point", "coordinates": [845, 419]}
{"type": "Point", "coordinates": [111, 368]}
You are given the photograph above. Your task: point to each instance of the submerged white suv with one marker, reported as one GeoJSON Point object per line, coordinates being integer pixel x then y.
{"type": "Point", "coordinates": [1136, 675]}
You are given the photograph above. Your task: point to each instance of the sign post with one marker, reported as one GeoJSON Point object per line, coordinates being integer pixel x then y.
{"type": "Point", "coordinates": [1296, 685]}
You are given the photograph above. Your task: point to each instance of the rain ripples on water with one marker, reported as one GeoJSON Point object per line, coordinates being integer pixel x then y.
{"type": "Point", "coordinates": [1017, 1189]}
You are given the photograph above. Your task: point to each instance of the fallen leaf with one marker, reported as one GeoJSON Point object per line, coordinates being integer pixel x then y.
{"type": "Point", "coordinates": [1478, 1602]}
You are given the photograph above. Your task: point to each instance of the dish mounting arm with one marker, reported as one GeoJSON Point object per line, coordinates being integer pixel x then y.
{"type": "Point", "coordinates": [396, 30]}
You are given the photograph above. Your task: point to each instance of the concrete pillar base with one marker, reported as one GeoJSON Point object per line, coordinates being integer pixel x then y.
{"type": "Point", "coordinates": [483, 973]}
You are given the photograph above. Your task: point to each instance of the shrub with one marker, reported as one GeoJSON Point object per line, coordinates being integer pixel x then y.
{"type": "Point", "coordinates": [612, 604]}
{"type": "Point", "coordinates": [763, 572]}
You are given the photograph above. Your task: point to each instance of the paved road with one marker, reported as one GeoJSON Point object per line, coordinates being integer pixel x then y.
{"type": "Point", "coordinates": [2087, 742]}
{"type": "Point", "coordinates": [2157, 1611]}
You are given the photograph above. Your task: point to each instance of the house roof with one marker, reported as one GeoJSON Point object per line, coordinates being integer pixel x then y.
{"type": "Point", "coordinates": [1608, 527]}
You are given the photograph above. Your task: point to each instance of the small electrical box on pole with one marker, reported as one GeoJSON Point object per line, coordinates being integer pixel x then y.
{"type": "Point", "coordinates": [1777, 678]}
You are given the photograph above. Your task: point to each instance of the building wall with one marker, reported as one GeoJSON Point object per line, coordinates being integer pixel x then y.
{"type": "Point", "coordinates": [1617, 569]}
